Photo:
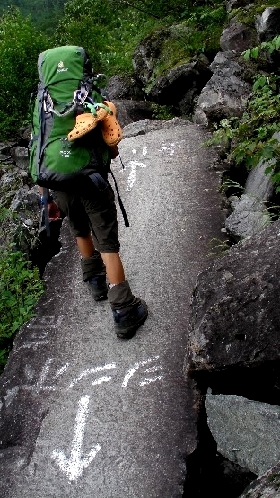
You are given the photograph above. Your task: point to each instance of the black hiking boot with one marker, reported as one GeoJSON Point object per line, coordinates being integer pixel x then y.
{"type": "Point", "coordinates": [128, 320]}
{"type": "Point", "coordinates": [98, 287]}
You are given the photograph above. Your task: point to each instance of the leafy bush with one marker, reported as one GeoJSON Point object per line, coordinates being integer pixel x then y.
{"type": "Point", "coordinates": [20, 44]}
{"type": "Point", "coordinates": [255, 137]}
{"type": "Point", "coordinates": [44, 13]}
{"type": "Point", "coordinates": [266, 47]}
{"type": "Point", "coordinates": [20, 289]}
{"type": "Point", "coordinates": [109, 39]}
{"type": "Point", "coordinates": [162, 111]}
{"type": "Point", "coordinates": [120, 25]}
{"type": "Point", "coordinates": [206, 25]}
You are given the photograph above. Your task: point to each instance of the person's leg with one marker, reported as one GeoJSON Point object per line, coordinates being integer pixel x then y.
{"type": "Point", "coordinates": [129, 312]}
{"type": "Point", "coordinates": [114, 267]}
{"type": "Point", "coordinates": [93, 268]}
{"type": "Point", "coordinates": [85, 246]}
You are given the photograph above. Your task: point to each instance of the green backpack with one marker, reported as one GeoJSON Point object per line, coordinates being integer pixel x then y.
{"type": "Point", "coordinates": [66, 85]}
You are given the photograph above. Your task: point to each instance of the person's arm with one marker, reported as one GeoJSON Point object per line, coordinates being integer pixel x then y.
{"type": "Point", "coordinates": [53, 209]}
{"type": "Point", "coordinates": [50, 197]}
{"type": "Point", "coordinates": [114, 151]}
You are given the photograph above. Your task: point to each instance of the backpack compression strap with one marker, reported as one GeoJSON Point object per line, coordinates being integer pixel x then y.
{"type": "Point", "coordinates": [42, 125]}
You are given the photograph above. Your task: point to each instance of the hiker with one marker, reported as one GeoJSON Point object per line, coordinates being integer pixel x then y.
{"type": "Point", "coordinates": [85, 196]}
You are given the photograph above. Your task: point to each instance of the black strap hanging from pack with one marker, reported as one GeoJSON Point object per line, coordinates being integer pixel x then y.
{"type": "Point", "coordinates": [122, 208]}
{"type": "Point", "coordinates": [45, 198]}
{"type": "Point", "coordinates": [102, 184]}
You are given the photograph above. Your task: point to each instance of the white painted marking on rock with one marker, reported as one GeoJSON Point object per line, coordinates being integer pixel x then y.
{"type": "Point", "coordinates": [43, 376]}
{"type": "Point", "coordinates": [136, 367]}
{"type": "Point", "coordinates": [102, 379]}
{"type": "Point", "coordinates": [89, 371]}
{"type": "Point", "coordinates": [33, 345]}
{"type": "Point", "coordinates": [148, 381]}
{"type": "Point", "coordinates": [169, 149]}
{"type": "Point", "coordinates": [132, 175]}
{"type": "Point", "coordinates": [74, 466]}
{"type": "Point", "coordinates": [61, 370]}
{"type": "Point", "coordinates": [144, 150]}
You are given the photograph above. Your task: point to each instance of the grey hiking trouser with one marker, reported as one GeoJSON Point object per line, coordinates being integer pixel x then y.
{"type": "Point", "coordinates": [92, 266]}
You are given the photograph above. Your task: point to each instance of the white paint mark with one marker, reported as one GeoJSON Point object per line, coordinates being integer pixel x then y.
{"type": "Point", "coordinates": [43, 376]}
{"type": "Point", "coordinates": [155, 368]}
{"type": "Point", "coordinates": [46, 321]}
{"type": "Point", "coordinates": [132, 175]}
{"type": "Point", "coordinates": [33, 345]}
{"type": "Point", "coordinates": [61, 370]}
{"type": "Point", "coordinates": [148, 381]}
{"type": "Point", "coordinates": [168, 149]}
{"type": "Point", "coordinates": [144, 150]}
{"type": "Point", "coordinates": [133, 151]}
{"type": "Point", "coordinates": [136, 367]}
{"type": "Point", "coordinates": [102, 379]}
{"type": "Point", "coordinates": [89, 371]}
{"type": "Point", "coordinates": [73, 467]}
{"type": "Point", "coordinates": [11, 393]}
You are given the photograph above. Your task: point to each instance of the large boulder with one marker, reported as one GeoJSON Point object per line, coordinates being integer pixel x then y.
{"type": "Point", "coordinates": [235, 319]}
{"type": "Point", "coordinates": [238, 37]}
{"type": "Point", "coordinates": [180, 86]}
{"type": "Point", "coordinates": [167, 73]}
{"type": "Point", "coordinates": [266, 486]}
{"type": "Point", "coordinates": [130, 111]}
{"type": "Point", "coordinates": [250, 214]}
{"type": "Point", "coordinates": [124, 88]}
{"type": "Point", "coordinates": [226, 93]}
{"type": "Point", "coordinates": [246, 431]}
{"type": "Point", "coordinates": [148, 54]}
{"type": "Point", "coordinates": [268, 24]}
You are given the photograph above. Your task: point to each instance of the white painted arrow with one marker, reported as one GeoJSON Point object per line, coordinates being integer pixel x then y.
{"type": "Point", "coordinates": [73, 467]}
{"type": "Point", "coordinates": [132, 175]}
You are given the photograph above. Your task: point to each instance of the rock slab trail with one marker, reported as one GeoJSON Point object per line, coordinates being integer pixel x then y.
{"type": "Point", "coordinates": [83, 413]}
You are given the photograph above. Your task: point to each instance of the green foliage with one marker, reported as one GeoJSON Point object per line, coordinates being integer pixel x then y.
{"type": "Point", "coordinates": [218, 247]}
{"type": "Point", "coordinates": [173, 10]}
{"type": "Point", "coordinates": [108, 35]}
{"type": "Point", "coordinates": [230, 185]}
{"type": "Point", "coordinates": [162, 112]}
{"type": "Point", "coordinates": [20, 44]}
{"type": "Point", "coordinates": [20, 289]}
{"type": "Point", "coordinates": [268, 46]}
{"type": "Point", "coordinates": [120, 25]}
{"type": "Point", "coordinates": [252, 138]}
{"type": "Point", "coordinates": [206, 23]}
{"type": "Point", "coordinates": [248, 15]}
{"type": "Point", "coordinates": [44, 13]}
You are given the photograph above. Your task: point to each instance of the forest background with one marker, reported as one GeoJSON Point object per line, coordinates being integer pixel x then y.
{"type": "Point", "coordinates": [110, 31]}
